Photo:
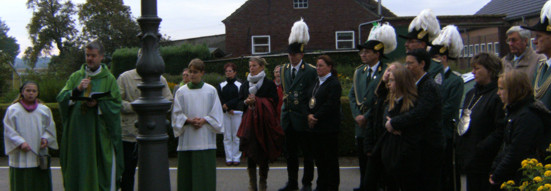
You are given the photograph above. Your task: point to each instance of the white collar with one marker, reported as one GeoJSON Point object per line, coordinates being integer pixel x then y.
{"type": "Point", "coordinates": [90, 73]}
{"type": "Point", "coordinates": [374, 67]}
{"type": "Point", "coordinates": [324, 78]}
{"type": "Point", "coordinates": [297, 67]}
{"type": "Point", "coordinates": [417, 83]}
{"type": "Point", "coordinates": [548, 63]}
{"type": "Point", "coordinates": [446, 69]}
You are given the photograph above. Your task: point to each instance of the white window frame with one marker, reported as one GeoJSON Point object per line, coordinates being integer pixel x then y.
{"type": "Point", "coordinates": [483, 47]}
{"type": "Point", "coordinates": [351, 41]}
{"type": "Point", "coordinates": [476, 49]}
{"type": "Point", "coordinates": [465, 51]}
{"type": "Point", "coordinates": [532, 43]}
{"type": "Point", "coordinates": [471, 50]}
{"type": "Point", "coordinates": [300, 4]}
{"type": "Point", "coordinates": [490, 46]}
{"type": "Point", "coordinates": [496, 48]}
{"type": "Point", "coordinates": [255, 45]}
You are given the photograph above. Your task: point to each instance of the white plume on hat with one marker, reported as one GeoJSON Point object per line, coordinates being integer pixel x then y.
{"type": "Point", "coordinates": [384, 33]}
{"type": "Point", "coordinates": [450, 38]}
{"type": "Point", "coordinates": [299, 33]}
{"type": "Point", "coordinates": [427, 21]}
{"type": "Point", "coordinates": [546, 12]}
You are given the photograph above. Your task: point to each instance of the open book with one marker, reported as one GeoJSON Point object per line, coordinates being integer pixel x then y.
{"type": "Point", "coordinates": [93, 95]}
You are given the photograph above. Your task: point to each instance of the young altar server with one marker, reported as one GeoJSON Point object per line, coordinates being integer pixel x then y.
{"type": "Point", "coordinates": [29, 130]}
{"type": "Point", "coordinates": [197, 117]}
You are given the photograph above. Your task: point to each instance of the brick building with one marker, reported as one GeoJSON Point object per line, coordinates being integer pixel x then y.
{"type": "Point", "coordinates": [263, 26]}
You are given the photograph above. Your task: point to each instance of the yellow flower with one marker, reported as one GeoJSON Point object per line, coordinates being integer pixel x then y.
{"type": "Point", "coordinates": [548, 166]}
{"type": "Point", "coordinates": [503, 185]}
{"type": "Point", "coordinates": [547, 173]}
{"type": "Point", "coordinates": [534, 161]}
{"type": "Point", "coordinates": [510, 182]}
{"type": "Point", "coordinates": [540, 188]}
{"type": "Point", "coordinates": [538, 179]}
{"type": "Point", "coordinates": [539, 165]}
{"type": "Point", "coordinates": [548, 186]}
{"type": "Point", "coordinates": [525, 162]}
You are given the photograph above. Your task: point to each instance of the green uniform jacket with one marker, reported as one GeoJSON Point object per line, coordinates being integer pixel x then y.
{"type": "Point", "coordinates": [435, 68]}
{"type": "Point", "coordinates": [451, 91]}
{"type": "Point", "coordinates": [91, 136]}
{"type": "Point", "coordinates": [542, 82]}
{"type": "Point", "coordinates": [294, 110]}
{"type": "Point", "coordinates": [362, 93]}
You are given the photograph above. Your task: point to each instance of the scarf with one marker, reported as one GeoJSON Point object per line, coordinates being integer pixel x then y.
{"type": "Point", "coordinates": [192, 85]}
{"type": "Point", "coordinates": [29, 108]}
{"type": "Point", "coordinates": [255, 82]}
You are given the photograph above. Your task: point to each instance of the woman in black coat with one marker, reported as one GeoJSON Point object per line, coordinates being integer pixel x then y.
{"type": "Point", "coordinates": [260, 133]}
{"type": "Point", "coordinates": [476, 148]}
{"type": "Point", "coordinates": [324, 121]}
{"type": "Point", "coordinates": [524, 135]}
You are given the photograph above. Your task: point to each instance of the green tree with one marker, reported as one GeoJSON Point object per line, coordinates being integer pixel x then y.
{"type": "Point", "coordinates": [51, 22]}
{"type": "Point", "coordinates": [111, 22]}
{"type": "Point", "coordinates": [9, 49]}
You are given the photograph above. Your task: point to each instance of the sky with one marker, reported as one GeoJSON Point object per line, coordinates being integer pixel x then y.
{"type": "Point", "coordinates": [194, 18]}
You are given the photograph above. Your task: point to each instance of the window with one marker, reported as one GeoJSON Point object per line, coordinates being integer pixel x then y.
{"type": "Point", "coordinates": [476, 49]}
{"type": "Point", "coordinates": [260, 44]}
{"type": "Point", "coordinates": [532, 44]}
{"type": "Point", "coordinates": [490, 47]}
{"type": "Point", "coordinates": [465, 51]}
{"type": "Point", "coordinates": [344, 40]}
{"type": "Point", "coordinates": [483, 47]}
{"type": "Point", "coordinates": [496, 48]}
{"type": "Point", "coordinates": [300, 4]}
{"type": "Point", "coordinates": [471, 50]}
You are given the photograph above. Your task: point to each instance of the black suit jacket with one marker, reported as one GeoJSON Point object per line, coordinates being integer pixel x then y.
{"type": "Point", "coordinates": [424, 119]}
{"type": "Point", "coordinates": [328, 105]}
{"type": "Point", "coordinates": [267, 90]}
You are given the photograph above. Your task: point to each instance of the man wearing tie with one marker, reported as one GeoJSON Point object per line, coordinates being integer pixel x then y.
{"type": "Point", "coordinates": [297, 77]}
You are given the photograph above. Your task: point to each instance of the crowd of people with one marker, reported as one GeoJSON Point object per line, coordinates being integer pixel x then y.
{"type": "Point", "coordinates": [414, 129]}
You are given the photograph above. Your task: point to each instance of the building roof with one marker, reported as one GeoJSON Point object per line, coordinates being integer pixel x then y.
{"type": "Point", "coordinates": [514, 9]}
{"type": "Point", "coordinates": [370, 5]}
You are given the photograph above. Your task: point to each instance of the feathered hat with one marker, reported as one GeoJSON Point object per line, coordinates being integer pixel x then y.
{"type": "Point", "coordinates": [424, 27]}
{"type": "Point", "coordinates": [299, 37]}
{"type": "Point", "coordinates": [543, 24]}
{"type": "Point", "coordinates": [447, 43]}
{"type": "Point", "coordinates": [382, 38]}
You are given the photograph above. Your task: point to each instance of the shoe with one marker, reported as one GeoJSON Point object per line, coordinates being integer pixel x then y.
{"type": "Point", "coordinates": [289, 187]}
{"type": "Point", "coordinates": [306, 188]}
{"type": "Point", "coordinates": [236, 163]}
{"type": "Point", "coordinates": [229, 163]}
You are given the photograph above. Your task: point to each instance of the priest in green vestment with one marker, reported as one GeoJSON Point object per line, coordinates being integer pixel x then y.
{"type": "Point", "coordinates": [91, 148]}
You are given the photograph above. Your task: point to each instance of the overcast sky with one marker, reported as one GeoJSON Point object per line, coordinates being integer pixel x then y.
{"type": "Point", "coordinates": [194, 18]}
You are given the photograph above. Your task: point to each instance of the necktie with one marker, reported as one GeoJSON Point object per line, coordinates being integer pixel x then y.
{"type": "Point", "coordinates": [293, 73]}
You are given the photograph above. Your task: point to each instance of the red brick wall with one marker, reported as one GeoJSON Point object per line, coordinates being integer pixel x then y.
{"type": "Point", "coordinates": [276, 17]}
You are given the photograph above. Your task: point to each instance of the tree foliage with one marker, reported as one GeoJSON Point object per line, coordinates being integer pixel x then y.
{"type": "Point", "coordinates": [111, 22]}
{"type": "Point", "coordinates": [51, 22]}
{"type": "Point", "coordinates": [8, 51]}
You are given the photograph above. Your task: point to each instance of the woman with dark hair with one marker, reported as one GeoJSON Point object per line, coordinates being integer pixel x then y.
{"type": "Point", "coordinates": [260, 133]}
{"type": "Point", "coordinates": [324, 123]}
{"type": "Point", "coordinates": [524, 135]}
{"type": "Point", "coordinates": [228, 91]}
{"type": "Point", "coordinates": [29, 131]}
{"type": "Point", "coordinates": [482, 114]}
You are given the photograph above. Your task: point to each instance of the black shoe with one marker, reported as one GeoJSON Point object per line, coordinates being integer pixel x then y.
{"type": "Point", "coordinates": [306, 188]}
{"type": "Point", "coordinates": [289, 187]}
{"type": "Point", "coordinates": [357, 189]}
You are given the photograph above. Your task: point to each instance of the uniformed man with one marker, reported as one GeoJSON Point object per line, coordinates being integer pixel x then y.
{"type": "Point", "coordinates": [381, 40]}
{"type": "Point", "coordinates": [297, 77]}
{"type": "Point", "coordinates": [542, 40]}
{"type": "Point", "coordinates": [422, 30]}
{"type": "Point", "coordinates": [447, 46]}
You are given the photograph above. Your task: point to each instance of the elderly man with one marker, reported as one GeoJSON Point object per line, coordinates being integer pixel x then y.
{"type": "Point", "coordinates": [521, 56]}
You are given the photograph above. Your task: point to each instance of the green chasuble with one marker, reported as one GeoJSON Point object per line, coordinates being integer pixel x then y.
{"type": "Point", "coordinates": [197, 170]}
{"type": "Point", "coordinates": [542, 83]}
{"type": "Point", "coordinates": [30, 179]}
{"type": "Point", "coordinates": [91, 135]}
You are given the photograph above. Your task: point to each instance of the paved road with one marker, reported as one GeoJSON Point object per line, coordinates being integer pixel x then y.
{"type": "Point", "coordinates": [227, 178]}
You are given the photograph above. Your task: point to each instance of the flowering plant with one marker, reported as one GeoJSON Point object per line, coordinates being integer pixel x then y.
{"type": "Point", "coordinates": [535, 176]}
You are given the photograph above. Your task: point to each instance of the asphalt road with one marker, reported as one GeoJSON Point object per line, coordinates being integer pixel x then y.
{"type": "Point", "coordinates": [234, 178]}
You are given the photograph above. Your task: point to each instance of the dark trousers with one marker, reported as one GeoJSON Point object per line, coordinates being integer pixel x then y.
{"type": "Point", "coordinates": [478, 181]}
{"type": "Point", "coordinates": [130, 150]}
{"type": "Point", "coordinates": [326, 155]}
{"type": "Point", "coordinates": [448, 169]}
{"type": "Point", "coordinates": [293, 141]}
{"type": "Point", "coordinates": [362, 158]}
{"type": "Point", "coordinates": [431, 167]}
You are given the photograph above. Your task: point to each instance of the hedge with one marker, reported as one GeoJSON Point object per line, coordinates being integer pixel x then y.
{"type": "Point", "coordinates": [346, 136]}
{"type": "Point", "coordinates": [176, 58]}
